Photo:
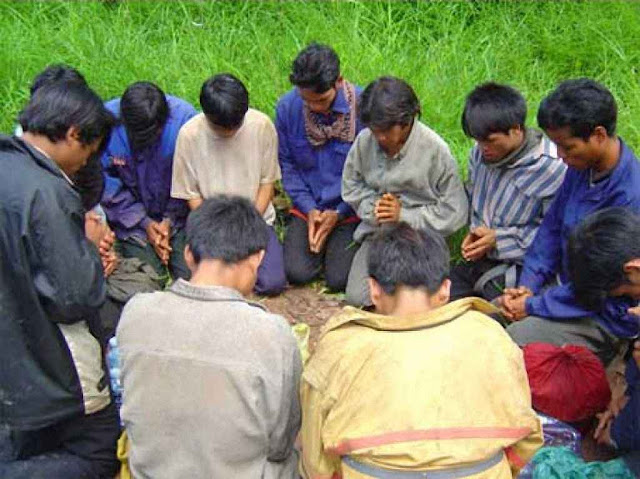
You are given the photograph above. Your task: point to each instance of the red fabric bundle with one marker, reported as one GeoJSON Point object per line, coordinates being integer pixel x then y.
{"type": "Point", "coordinates": [567, 383]}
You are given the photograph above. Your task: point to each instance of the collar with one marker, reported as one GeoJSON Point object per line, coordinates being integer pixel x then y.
{"type": "Point", "coordinates": [626, 157]}
{"type": "Point", "coordinates": [209, 293]}
{"type": "Point", "coordinates": [48, 158]}
{"type": "Point", "coordinates": [532, 138]}
{"type": "Point", "coordinates": [340, 104]}
{"type": "Point", "coordinates": [433, 318]}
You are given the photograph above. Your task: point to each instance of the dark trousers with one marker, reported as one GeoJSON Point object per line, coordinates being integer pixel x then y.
{"type": "Point", "coordinates": [271, 278]}
{"type": "Point", "coordinates": [303, 266]}
{"type": "Point", "coordinates": [131, 248]}
{"type": "Point", "coordinates": [465, 275]}
{"type": "Point", "coordinates": [83, 447]}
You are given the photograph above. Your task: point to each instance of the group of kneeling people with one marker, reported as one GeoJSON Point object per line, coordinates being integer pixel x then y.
{"type": "Point", "coordinates": [417, 376]}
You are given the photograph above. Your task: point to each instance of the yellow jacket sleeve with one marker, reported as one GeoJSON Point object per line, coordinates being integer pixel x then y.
{"type": "Point", "coordinates": [315, 463]}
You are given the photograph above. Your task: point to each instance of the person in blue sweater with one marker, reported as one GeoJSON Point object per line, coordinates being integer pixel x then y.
{"type": "Point", "coordinates": [580, 118]}
{"type": "Point", "coordinates": [138, 163]}
{"type": "Point", "coordinates": [317, 123]}
{"type": "Point", "coordinates": [604, 261]}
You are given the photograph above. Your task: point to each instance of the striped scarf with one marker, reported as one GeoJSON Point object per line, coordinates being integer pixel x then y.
{"type": "Point", "coordinates": [343, 127]}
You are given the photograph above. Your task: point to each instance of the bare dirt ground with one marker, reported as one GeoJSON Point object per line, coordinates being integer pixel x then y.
{"type": "Point", "coordinates": [307, 304]}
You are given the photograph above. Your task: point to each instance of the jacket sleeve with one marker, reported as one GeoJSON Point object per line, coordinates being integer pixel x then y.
{"type": "Point", "coordinates": [292, 180]}
{"type": "Point", "coordinates": [449, 211]}
{"type": "Point", "coordinates": [315, 462]}
{"type": "Point", "coordinates": [521, 452]}
{"type": "Point", "coordinates": [542, 259]}
{"type": "Point", "coordinates": [282, 438]}
{"type": "Point", "coordinates": [68, 274]}
{"type": "Point", "coordinates": [512, 241]}
{"type": "Point", "coordinates": [119, 203]}
{"type": "Point", "coordinates": [355, 190]}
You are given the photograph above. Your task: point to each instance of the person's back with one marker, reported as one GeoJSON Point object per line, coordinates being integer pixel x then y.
{"type": "Point", "coordinates": [419, 386]}
{"type": "Point", "coordinates": [210, 379]}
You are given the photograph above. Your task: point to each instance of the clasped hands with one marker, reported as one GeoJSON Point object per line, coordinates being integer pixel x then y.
{"type": "Point", "coordinates": [159, 236]}
{"type": "Point", "coordinates": [513, 302]}
{"type": "Point", "coordinates": [98, 232]}
{"type": "Point", "coordinates": [319, 226]}
{"type": "Point", "coordinates": [478, 243]}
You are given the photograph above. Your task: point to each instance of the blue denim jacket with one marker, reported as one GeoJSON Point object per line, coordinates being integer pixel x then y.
{"type": "Point", "coordinates": [137, 189]}
{"type": "Point", "coordinates": [311, 176]}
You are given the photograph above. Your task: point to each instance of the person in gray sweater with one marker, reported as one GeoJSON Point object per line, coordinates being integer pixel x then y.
{"type": "Point", "coordinates": [211, 379]}
{"type": "Point", "coordinates": [398, 169]}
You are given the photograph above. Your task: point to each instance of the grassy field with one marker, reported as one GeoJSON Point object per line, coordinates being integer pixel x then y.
{"type": "Point", "coordinates": [442, 48]}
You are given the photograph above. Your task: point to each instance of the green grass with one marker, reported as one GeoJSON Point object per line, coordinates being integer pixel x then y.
{"type": "Point", "coordinates": [442, 48]}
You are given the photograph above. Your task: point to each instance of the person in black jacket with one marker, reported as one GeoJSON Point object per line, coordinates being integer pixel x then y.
{"type": "Point", "coordinates": [56, 415]}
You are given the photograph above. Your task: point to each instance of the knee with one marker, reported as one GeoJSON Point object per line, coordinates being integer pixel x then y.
{"type": "Point", "coordinates": [271, 286]}
{"type": "Point", "coordinates": [336, 280]}
{"type": "Point", "coordinates": [298, 273]}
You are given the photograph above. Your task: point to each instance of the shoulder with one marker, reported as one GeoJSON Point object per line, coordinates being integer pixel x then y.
{"type": "Point", "coordinates": [259, 120]}
{"type": "Point", "coordinates": [180, 106]}
{"type": "Point", "coordinates": [194, 126]}
{"type": "Point", "coordinates": [289, 100]}
{"type": "Point", "coordinates": [427, 137]}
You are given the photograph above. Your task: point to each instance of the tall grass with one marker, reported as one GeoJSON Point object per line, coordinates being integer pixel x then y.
{"type": "Point", "coordinates": [442, 48]}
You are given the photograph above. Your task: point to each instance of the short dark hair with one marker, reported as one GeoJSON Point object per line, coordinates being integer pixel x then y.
{"type": "Point", "coordinates": [581, 105]}
{"type": "Point", "coordinates": [493, 108]}
{"type": "Point", "coordinates": [144, 111]}
{"type": "Point", "coordinates": [224, 100]}
{"type": "Point", "coordinates": [388, 101]}
{"type": "Point", "coordinates": [316, 67]}
{"type": "Point", "coordinates": [402, 256]}
{"type": "Point", "coordinates": [226, 227]}
{"type": "Point", "coordinates": [55, 108]}
{"type": "Point", "coordinates": [56, 73]}
{"type": "Point", "coordinates": [598, 249]}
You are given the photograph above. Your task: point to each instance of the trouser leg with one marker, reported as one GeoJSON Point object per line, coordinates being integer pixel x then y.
{"type": "Point", "coordinates": [582, 331]}
{"type": "Point", "coordinates": [130, 248]}
{"type": "Point", "coordinates": [177, 263]}
{"type": "Point", "coordinates": [338, 256]}
{"type": "Point", "coordinates": [300, 264]}
{"type": "Point", "coordinates": [357, 292]}
{"type": "Point", "coordinates": [83, 447]}
{"type": "Point", "coordinates": [271, 277]}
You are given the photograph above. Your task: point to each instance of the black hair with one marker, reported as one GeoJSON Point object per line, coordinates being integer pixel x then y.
{"type": "Point", "coordinates": [386, 102]}
{"type": "Point", "coordinates": [581, 105]}
{"type": "Point", "coordinates": [598, 249]}
{"type": "Point", "coordinates": [224, 100]}
{"type": "Point", "coordinates": [55, 108]}
{"type": "Point", "coordinates": [56, 73]}
{"type": "Point", "coordinates": [89, 182]}
{"type": "Point", "coordinates": [493, 108]}
{"type": "Point", "coordinates": [144, 111]}
{"type": "Point", "coordinates": [316, 67]}
{"type": "Point", "coordinates": [226, 227]}
{"type": "Point", "coordinates": [402, 256]}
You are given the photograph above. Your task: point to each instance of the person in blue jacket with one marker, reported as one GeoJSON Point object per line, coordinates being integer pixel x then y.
{"type": "Point", "coordinates": [604, 261]}
{"type": "Point", "coordinates": [138, 162]}
{"type": "Point", "coordinates": [580, 118]}
{"type": "Point", "coordinates": [317, 123]}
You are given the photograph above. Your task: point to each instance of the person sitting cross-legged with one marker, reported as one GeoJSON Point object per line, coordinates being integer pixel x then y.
{"type": "Point", "coordinates": [230, 148]}
{"type": "Point", "coordinates": [579, 116]}
{"type": "Point", "coordinates": [604, 261]}
{"type": "Point", "coordinates": [397, 170]}
{"type": "Point", "coordinates": [514, 172]}
{"type": "Point", "coordinates": [211, 379]}
{"type": "Point", "coordinates": [421, 386]}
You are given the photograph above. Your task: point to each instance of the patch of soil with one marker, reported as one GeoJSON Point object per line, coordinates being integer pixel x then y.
{"type": "Point", "coordinates": [305, 304]}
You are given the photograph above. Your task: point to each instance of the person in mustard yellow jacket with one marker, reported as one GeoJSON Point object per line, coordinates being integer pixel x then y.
{"type": "Point", "coordinates": [420, 388]}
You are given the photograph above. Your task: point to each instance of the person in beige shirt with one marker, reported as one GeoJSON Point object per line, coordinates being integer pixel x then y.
{"type": "Point", "coordinates": [232, 149]}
